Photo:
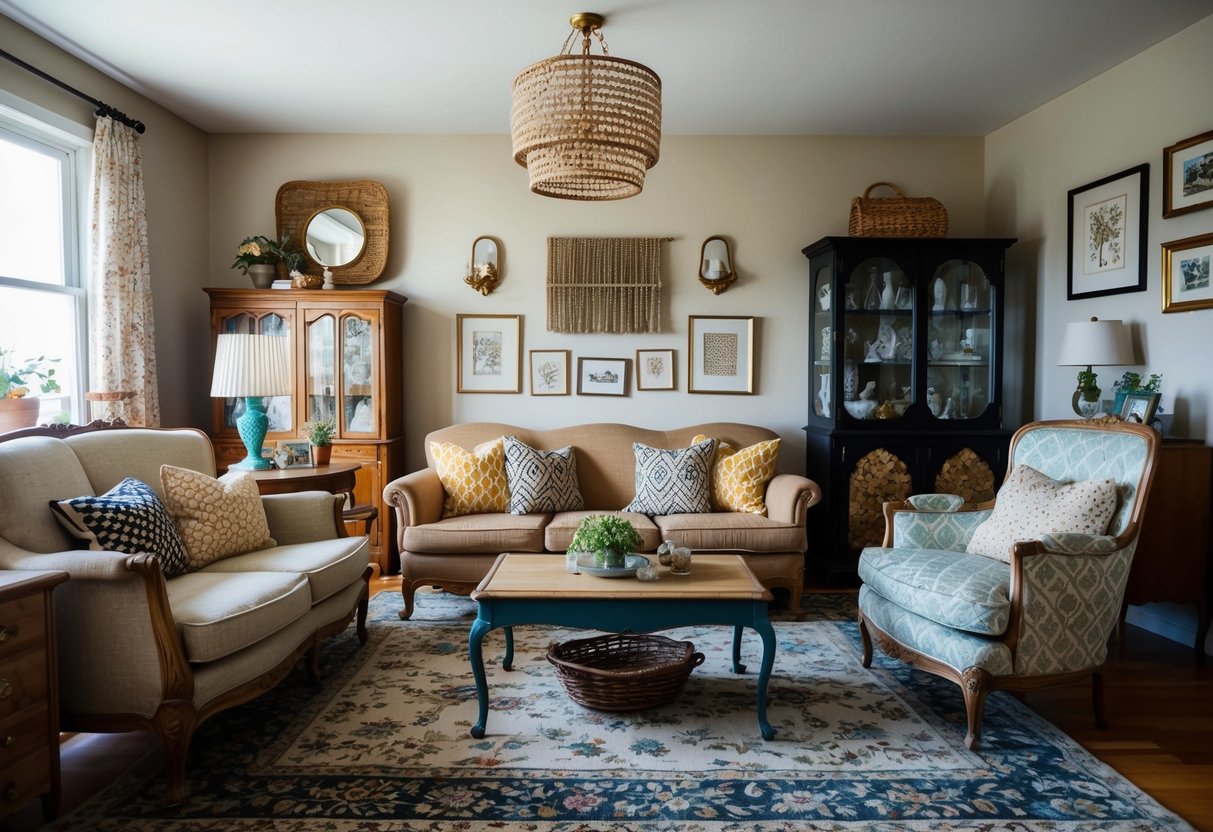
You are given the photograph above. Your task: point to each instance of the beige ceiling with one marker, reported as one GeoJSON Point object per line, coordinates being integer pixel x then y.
{"type": "Point", "coordinates": [842, 67]}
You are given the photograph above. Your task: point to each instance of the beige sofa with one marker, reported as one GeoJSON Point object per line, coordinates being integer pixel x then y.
{"type": "Point", "coordinates": [455, 553]}
{"type": "Point", "coordinates": [137, 651]}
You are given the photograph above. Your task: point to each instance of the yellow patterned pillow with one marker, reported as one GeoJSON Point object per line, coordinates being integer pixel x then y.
{"type": "Point", "coordinates": [739, 478]}
{"type": "Point", "coordinates": [474, 481]}
{"type": "Point", "coordinates": [216, 518]}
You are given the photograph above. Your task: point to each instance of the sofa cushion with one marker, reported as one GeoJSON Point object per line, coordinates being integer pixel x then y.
{"type": "Point", "coordinates": [493, 533]}
{"type": "Point", "coordinates": [217, 518]}
{"type": "Point", "coordinates": [732, 532]}
{"type": "Point", "coordinates": [1030, 504]}
{"type": "Point", "coordinates": [740, 477]}
{"type": "Point", "coordinates": [128, 518]}
{"type": "Point", "coordinates": [220, 613]}
{"type": "Point", "coordinates": [674, 481]}
{"type": "Point", "coordinates": [33, 471]}
{"type": "Point", "coordinates": [474, 481]}
{"type": "Point", "coordinates": [329, 565]}
{"type": "Point", "coordinates": [559, 532]}
{"type": "Point", "coordinates": [955, 589]}
{"type": "Point", "coordinates": [541, 481]}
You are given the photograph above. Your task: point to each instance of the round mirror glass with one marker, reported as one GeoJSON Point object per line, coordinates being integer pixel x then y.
{"type": "Point", "coordinates": [335, 236]}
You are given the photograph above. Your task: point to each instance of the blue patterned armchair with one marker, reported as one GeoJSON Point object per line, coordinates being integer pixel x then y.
{"type": "Point", "coordinates": [1034, 612]}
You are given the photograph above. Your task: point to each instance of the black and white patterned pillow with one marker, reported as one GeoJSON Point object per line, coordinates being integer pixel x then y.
{"type": "Point", "coordinates": [541, 481]}
{"type": "Point", "coordinates": [128, 518]}
{"type": "Point", "coordinates": [677, 481]}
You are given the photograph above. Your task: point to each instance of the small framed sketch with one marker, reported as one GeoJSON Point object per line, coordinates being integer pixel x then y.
{"type": "Point", "coordinates": [721, 354]}
{"type": "Point", "coordinates": [488, 353]}
{"type": "Point", "coordinates": [1185, 274]}
{"type": "Point", "coordinates": [655, 370]}
{"type": "Point", "coordinates": [549, 372]}
{"type": "Point", "coordinates": [1139, 407]}
{"type": "Point", "coordinates": [602, 376]}
{"type": "Point", "coordinates": [293, 454]}
{"type": "Point", "coordinates": [1107, 235]}
{"type": "Point", "coordinates": [1188, 171]}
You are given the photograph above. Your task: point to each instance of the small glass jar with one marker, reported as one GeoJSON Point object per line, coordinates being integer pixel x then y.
{"type": "Point", "coordinates": [681, 563]}
{"type": "Point", "coordinates": [646, 573]}
{"type": "Point", "coordinates": [570, 562]}
{"type": "Point", "coordinates": [665, 553]}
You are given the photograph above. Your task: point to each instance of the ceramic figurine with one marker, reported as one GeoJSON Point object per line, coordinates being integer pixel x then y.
{"type": "Point", "coordinates": [850, 381]}
{"type": "Point", "coordinates": [823, 395]}
{"type": "Point", "coordinates": [934, 402]}
{"type": "Point", "coordinates": [939, 291]}
{"type": "Point", "coordinates": [868, 393]}
{"type": "Point", "coordinates": [872, 299]}
{"type": "Point", "coordinates": [823, 295]}
{"type": "Point", "coordinates": [826, 337]}
{"type": "Point", "coordinates": [849, 304]}
{"type": "Point", "coordinates": [886, 295]}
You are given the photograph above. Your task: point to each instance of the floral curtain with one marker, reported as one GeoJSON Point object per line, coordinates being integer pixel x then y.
{"type": "Point", "coordinates": [122, 336]}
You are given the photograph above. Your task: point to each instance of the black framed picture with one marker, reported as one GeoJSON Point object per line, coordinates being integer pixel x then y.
{"type": "Point", "coordinates": [1107, 235]}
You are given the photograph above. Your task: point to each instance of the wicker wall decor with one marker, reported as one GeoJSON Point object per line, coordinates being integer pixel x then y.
{"type": "Point", "coordinates": [967, 475]}
{"type": "Point", "coordinates": [879, 476]}
{"type": "Point", "coordinates": [896, 216]}
{"type": "Point", "coordinates": [604, 284]}
{"type": "Point", "coordinates": [300, 200]}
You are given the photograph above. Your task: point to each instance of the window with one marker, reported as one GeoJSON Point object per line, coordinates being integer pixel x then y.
{"type": "Point", "coordinates": [43, 173]}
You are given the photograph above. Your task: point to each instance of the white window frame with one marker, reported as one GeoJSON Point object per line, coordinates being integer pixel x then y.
{"type": "Point", "coordinates": [29, 124]}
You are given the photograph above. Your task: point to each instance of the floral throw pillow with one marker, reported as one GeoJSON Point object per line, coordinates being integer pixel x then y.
{"type": "Point", "coordinates": [474, 481]}
{"type": "Point", "coordinates": [217, 518]}
{"type": "Point", "coordinates": [541, 481]}
{"type": "Point", "coordinates": [739, 478]}
{"type": "Point", "coordinates": [677, 481]}
{"type": "Point", "coordinates": [1031, 504]}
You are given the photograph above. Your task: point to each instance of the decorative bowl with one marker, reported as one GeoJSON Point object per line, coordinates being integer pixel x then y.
{"type": "Point", "coordinates": [585, 562]}
{"type": "Point", "coordinates": [860, 408]}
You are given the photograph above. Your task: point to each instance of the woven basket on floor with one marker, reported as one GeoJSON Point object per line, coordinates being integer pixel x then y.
{"type": "Point", "coordinates": [899, 216]}
{"type": "Point", "coordinates": [623, 671]}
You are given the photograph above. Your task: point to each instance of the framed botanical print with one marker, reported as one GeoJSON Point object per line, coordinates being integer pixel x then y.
{"type": "Point", "coordinates": [1185, 274]}
{"type": "Point", "coordinates": [602, 376]}
{"type": "Point", "coordinates": [1188, 171]}
{"type": "Point", "coordinates": [549, 372]}
{"type": "Point", "coordinates": [721, 354]}
{"type": "Point", "coordinates": [655, 370]}
{"type": "Point", "coordinates": [1107, 235]}
{"type": "Point", "coordinates": [488, 353]}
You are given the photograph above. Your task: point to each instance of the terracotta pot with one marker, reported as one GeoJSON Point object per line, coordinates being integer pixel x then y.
{"type": "Point", "coordinates": [19, 413]}
{"type": "Point", "coordinates": [322, 454]}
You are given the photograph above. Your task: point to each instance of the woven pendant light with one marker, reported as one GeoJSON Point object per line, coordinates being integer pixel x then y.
{"type": "Point", "coordinates": [586, 126]}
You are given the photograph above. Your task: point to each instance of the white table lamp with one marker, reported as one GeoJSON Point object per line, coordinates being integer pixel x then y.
{"type": "Point", "coordinates": [1093, 343]}
{"type": "Point", "coordinates": [253, 367]}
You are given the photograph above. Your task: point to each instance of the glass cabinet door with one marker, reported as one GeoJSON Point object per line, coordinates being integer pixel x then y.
{"type": "Point", "coordinates": [821, 345]}
{"type": "Point", "coordinates": [321, 369]}
{"type": "Point", "coordinates": [358, 412]}
{"type": "Point", "coordinates": [277, 408]}
{"type": "Point", "coordinates": [960, 325]}
{"type": "Point", "coordinates": [877, 317]}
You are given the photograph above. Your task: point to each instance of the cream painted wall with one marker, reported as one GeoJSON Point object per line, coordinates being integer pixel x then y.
{"type": "Point", "coordinates": [1116, 121]}
{"type": "Point", "coordinates": [771, 196]}
{"type": "Point", "coordinates": [174, 171]}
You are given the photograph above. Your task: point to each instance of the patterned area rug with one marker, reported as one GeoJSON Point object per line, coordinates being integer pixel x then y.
{"type": "Point", "coordinates": [383, 744]}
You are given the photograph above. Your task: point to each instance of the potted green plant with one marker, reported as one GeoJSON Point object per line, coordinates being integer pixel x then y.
{"type": "Point", "coordinates": [259, 256]}
{"type": "Point", "coordinates": [18, 409]}
{"type": "Point", "coordinates": [320, 435]}
{"type": "Point", "coordinates": [1131, 382]}
{"type": "Point", "coordinates": [610, 537]}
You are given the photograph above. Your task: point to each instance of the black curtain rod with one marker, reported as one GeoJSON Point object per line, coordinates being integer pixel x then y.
{"type": "Point", "coordinates": [103, 109]}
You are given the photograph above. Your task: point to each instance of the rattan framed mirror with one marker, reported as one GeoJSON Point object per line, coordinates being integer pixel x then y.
{"type": "Point", "coordinates": [301, 203]}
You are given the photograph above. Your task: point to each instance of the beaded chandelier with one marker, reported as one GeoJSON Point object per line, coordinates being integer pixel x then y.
{"type": "Point", "coordinates": [586, 126]}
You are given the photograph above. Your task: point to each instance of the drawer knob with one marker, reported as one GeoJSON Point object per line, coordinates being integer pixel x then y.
{"type": "Point", "coordinates": [9, 631]}
{"type": "Point", "coordinates": [6, 688]}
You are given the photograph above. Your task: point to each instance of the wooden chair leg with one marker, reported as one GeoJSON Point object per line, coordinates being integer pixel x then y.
{"type": "Point", "coordinates": [867, 640]}
{"type": "Point", "coordinates": [174, 724]}
{"type": "Point", "coordinates": [1101, 717]}
{"type": "Point", "coordinates": [406, 591]}
{"type": "Point", "coordinates": [976, 684]}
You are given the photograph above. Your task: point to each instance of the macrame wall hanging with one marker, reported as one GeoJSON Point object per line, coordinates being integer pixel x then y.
{"type": "Point", "coordinates": [604, 284]}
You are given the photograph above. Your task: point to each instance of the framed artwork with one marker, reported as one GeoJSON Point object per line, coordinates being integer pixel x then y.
{"type": "Point", "coordinates": [1139, 407]}
{"type": "Point", "coordinates": [655, 370]}
{"type": "Point", "coordinates": [1185, 274]}
{"type": "Point", "coordinates": [291, 453]}
{"type": "Point", "coordinates": [488, 353]}
{"type": "Point", "coordinates": [721, 354]}
{"type": "Point", "coordinates": [549, 372]}
{"type": "Point", "coordinates": [1188, 168]}
{"type": "Point", "coordinates": [602, 376]}
{"type": "Point", "coordinates": [1108, 234]}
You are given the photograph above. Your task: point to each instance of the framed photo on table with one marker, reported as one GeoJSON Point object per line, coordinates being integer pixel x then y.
{"type": "Point", "coordinates": [549, 372]}
{"type": "Point", "coordinates": [1188, 171]}
{"type": "Point", "coordinates": [1139, 407]}
{"type": "Point", "coordinates": [488, 353]}
{"type": "Point", "coordinates": [290, 453]}
{"type": "Point", "coordinates": [1107, 235]}
{"type": "Point", "coordinates": [655, 370]}
{"type": "Point", "coordinates": [602, 376]}
{"type": "Point", "coordinates": [1185, 274]}
{"type": "Point", "coordinates": [721, 354]}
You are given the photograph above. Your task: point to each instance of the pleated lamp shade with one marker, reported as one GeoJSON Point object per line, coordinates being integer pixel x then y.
{"type": "Point", "coordinates": [251, 365]}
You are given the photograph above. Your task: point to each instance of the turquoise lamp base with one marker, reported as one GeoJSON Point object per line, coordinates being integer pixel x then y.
{"type": "Point", "coordinates": [252, 426]}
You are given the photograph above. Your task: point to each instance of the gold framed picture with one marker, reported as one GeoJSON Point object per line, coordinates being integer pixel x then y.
{"type": "Point", "coordinates": [721, 355]}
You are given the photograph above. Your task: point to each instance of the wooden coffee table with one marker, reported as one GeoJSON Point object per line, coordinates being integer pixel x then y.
{"type": "Point", "coordinates": [537, 589]}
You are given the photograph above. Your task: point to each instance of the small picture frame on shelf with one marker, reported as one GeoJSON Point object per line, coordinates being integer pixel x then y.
{"type": "Point", "coordinates": [602, 376]}
{"type": "Point", "coordinates": [1139, 407]}
{"type": "Point", "coordinates": [655, 370]}
{"type": "Point", "coordinates": [290, 453]}
{"type": "Point", "coordinates": [549, 372]}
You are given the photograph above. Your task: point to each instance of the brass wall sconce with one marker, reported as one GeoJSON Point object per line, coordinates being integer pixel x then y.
{"type": "Point", "coordinates": [483, 273]}
{"type": "Point", "coordinates": [716, 265]}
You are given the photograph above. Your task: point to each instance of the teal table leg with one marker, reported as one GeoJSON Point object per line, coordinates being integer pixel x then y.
{"type": "Point", "coordinates": [767, 632]}
{"type": "Point", "coordinates": [508, 662]}
{"type": "Point", "coordinates": [738, 667]}
{"type": "Point", "coordinates": [476, 658]}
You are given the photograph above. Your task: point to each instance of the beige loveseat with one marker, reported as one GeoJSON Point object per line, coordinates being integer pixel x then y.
{"type": "Point", "coordinates": [137, 651]}
{"type": "Point", "coordinates": [455, 553]}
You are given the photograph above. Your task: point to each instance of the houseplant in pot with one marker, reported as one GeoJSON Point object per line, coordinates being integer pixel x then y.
{"type": "Point", "coordinates": [259, 256]}
{"type": "Point", "coordinates": [18, 409]}
{"type": "Point", "coordinates": [320, 435]}
{"type": "Point", "coordinates": [609, 537]}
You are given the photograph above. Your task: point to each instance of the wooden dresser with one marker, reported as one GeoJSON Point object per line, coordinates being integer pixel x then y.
{"type": "Point", "coordinates": [29, 691]}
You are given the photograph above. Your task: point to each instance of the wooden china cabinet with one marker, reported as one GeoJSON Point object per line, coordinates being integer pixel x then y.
{"type": "Point", "coordinates": [905, 382]}
{"type": "Point", "coordinates": [348, 354]}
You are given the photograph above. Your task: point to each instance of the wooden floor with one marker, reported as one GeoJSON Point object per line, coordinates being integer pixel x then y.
{"type": "Point", "coordinates": [1159, 703]}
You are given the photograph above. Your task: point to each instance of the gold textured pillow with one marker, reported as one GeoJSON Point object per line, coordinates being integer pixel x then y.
{"type": "Point", "coordinates": [474, 481]}
{"type": "Point", "coordinates": [739, 478]}
{"type": "Point", "coordinates": [215, 518]}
